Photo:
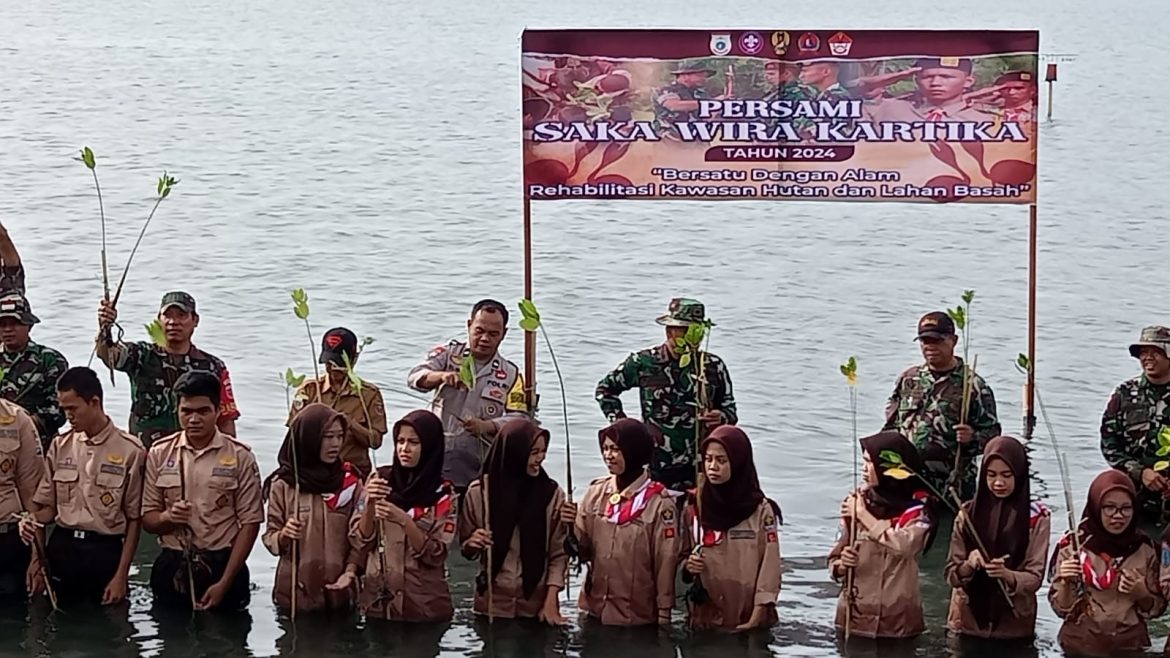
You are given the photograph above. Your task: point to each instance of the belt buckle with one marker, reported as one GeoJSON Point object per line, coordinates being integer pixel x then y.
{"type": "Point", "coordinates": [79, 534]}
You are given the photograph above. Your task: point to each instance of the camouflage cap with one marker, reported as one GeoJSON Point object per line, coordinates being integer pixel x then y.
{"type": "Point", "coordinates": [14, 305]}
{"type": "Point", "coordinates": [683, 313]}
{"type": "Point", "coordinates": [181, 299]}
{"type": "Point", "coordinates": [1152, 337]}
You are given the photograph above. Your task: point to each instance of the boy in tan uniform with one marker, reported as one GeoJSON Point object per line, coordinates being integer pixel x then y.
{"type": "Point", "coordinates": [20, 473]}
{"type": "Point", "coordinates": [92, 490]}
{"type": "Point", "coordinates": [202, 497]}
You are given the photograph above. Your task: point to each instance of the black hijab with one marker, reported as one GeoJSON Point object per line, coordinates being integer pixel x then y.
{"type": "Point", "coordinates": [417, 486]}
{"type": "Point", "coordinates": [724, 506]}
{"type": "Point", "coordinates": [636, 445]}
{"type": "Point", "coordinates": [1003, 524]}
{"type": "Point", "coordinates": [892, 496]}
{"type": "Point", "coordinates": [518, 501]}
{"type": "Point", "coordinates": [305, 433]}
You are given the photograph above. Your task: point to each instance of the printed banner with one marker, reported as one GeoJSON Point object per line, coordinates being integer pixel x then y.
{"type": "Point", "coordinates": [824, 115]}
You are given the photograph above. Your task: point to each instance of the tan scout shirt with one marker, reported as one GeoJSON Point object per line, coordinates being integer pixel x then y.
{"type": "Point", "coordinates": [414, 585]}
{"type": "Point", "coordinates": [1022, 589]}
{"type": "Point", "coordinates": [94, 483]}
{"type": "Point", "coordinates": [741, 570]}
{"type": "Point", "coordinates": [1114, 622]}
{"type": "Point", "coordinates": [498, 396]}
{"type": "Point", "coordinates": [323, 551]}
{"type": "Point", "coordinates": [894, 109]}
{"type": "Point", "coordinates": [886, 598]}
{"type": "Point", "coordinates": [365, 431]}
{"type": "Point", "coordinates": [633, 561]}
{"type": "Point", "coordinates": [20, 462]}
{"type": "Point", "coordinates": [221, 481]}
{"type": "Point", "coordinates": [508, 600]}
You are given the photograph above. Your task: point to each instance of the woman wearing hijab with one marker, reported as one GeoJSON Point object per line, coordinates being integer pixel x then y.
{"type": "Point", "coordinates": [405, 528]}
{"type": "Point", "coordinates": [627, 532]}
{"type": "Point", "coordinates": [1106, 594]}
{"type": "Point", "coordinates": [1014, 531]}
{"type": "Point", "coordinates": [894, 527]}
{"type": "Point", "coordinates": [318, 521]}
{"type": "Point", "coordinates": [516, 509]}
{"type": "Point", "coordinates": [733, 539]}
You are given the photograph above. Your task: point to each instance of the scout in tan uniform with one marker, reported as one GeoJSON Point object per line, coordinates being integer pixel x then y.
{"type": "Point", "coordinates": [942, 83]}
{"type": "Point", "coordinates": [92, 490]}
{"type": "Point", "coordinates": [318, 521]}
{"type": "Point", "coordinates": [894, 528]}
{"type": "Point", "coordinates": [519, 513]}
{"type": "Point", "coordinates": [365, 411]}
{"type": "Point", "coordinates": [628, 534]}
{"type": "Point", "coordinates": [472, 417]}
{"type": "Point", "coordinates": [416, 511]}
{"type": "Point", "coordinates": [1106, 594]}
{"type": "Point", "coordinates": [733, 541]}
{"type": "Point", "coordinates": [1014, 531]}
{"type": "Point", "coordinates": [201, 495]}
{"type": "Point", "coordinates": [21, 468]}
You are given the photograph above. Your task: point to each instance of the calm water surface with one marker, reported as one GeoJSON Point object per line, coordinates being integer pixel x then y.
{"type": "Point", "coordinates": [368, 152]}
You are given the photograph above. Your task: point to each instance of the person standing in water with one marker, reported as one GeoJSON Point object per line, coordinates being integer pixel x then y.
{"type": "Point", "coordinates": [628, 534]}
{"type": "Point", "coordinates": [518, 510]}
{"type": "Point", "coordinates": [734, 539]}
{"type": "Point", "coordinates": [1108, 593]}
{"type": "Point", "coordinates": [414, 509]}
{"type": "Point", "coordinates": [1014, 530]}
{"type": "Point", "coordinates": [886, 526]}
{"type": "Point", "coordinates": [316, 522]}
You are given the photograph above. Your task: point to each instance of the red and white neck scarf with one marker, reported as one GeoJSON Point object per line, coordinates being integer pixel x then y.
{"type": "Point", "coordinates": [1104, 580]}
{"type": "Point", "coordinates": [702, 535]}
{"type": "Point", "coordinates": [442, 506]}
{"type": "Point", "coordinates": [620, 510]}
{"type": "Point", "coordinates": [349, 485]}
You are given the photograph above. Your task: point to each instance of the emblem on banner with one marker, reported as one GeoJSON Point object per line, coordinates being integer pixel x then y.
{"type": "Point", "coordinates": [840, 44]}
{"type": "Point", "coordinates": [809, 43]}
{"type": "Point", "coordinates": [751, 43]}
{"type": "Point", "coordinates": [780, 41]}
{"type": "Point", "coordinates": [720, 44]}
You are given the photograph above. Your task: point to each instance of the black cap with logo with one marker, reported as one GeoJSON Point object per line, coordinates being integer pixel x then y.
{"type": "Point", "coordinates": [336, 342]}
{"type": "Point", "coordinates": [936, 324]}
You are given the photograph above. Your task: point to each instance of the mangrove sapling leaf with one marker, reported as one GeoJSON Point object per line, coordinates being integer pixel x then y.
{"type": "Point", "coordinates": [849, 369]}
{"type": "Point", "coordinates": [968, 297]}
{"type": "Point", "coordinates": [301, 310]}
{"type": "Point", "coordinates": [157, 334]}
{"type": "Point", "coordinates": [467, 372]}
{"type": "Point", "coordinates": [87, 157]}
{"type": "Point", "coordinates": [890, 457]}
{"type": "Point", "coordinates": [293, 380]}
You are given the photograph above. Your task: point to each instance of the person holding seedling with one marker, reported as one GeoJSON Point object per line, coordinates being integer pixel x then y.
{"type": "Point", "coordinates": [405, 527]}
{"type": "Point", "coordinates": [477, 390]}
{"type": "Point", "coordinates": [154, 368]}
{"type": "Point", "coordinates": [669, 378]}
{"type": "Point", "coordinates": [927, 408]}
{"type": "Point", "coordinates": [886, 527]}
{"type": "Point", "coordinates": [311, 497]}
{"type": "Point", "coordinates": [628, 534]}
{"type": "Point", "coordinates": [364, 410]}
{"type": "Point", "coordinates": [1108, 592]}
{"type": "Point", "coordinates": [512, 521]}
{"type": "Point", "coordinates": [996, 561]}
{"type": "Point", "coordinates": [731, 537]}
{"type": "Point", "coordinates": [1135, 428]}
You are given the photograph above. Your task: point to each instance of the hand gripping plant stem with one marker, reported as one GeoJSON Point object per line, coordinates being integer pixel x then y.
{"type": "Point", "coordinates": [894, 467]}
{"type": "Point", "coordinates": [961, 316]}
{"type": "Point", "coordinates": [849, 369]}
{"type": "Point", "coordinates": [690, 349]}
{"type": "Point", "coordinates": [530, 322]}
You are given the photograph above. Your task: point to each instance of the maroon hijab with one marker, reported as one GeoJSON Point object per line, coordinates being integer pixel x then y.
{"type": "Point", "coordinates": [891, 496]}
{"type": "Point", "coordinates": [417, 486]}
{"type": "Point", "coordinates": [636, 445]}
{"type": "Point", "coordinates": [518, 501]}
{"type": "Point", "coordinates": [1093, 533]}
{"type": "Point", "coordinates": [724, 506]}
{"type": "Point", "coordinates": [1003, 524]}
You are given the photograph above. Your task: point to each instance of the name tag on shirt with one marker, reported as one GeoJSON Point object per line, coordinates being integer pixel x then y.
{"type": "Point", "coordinates": [742, 534]}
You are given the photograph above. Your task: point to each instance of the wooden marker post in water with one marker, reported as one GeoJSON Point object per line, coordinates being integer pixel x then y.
{"type": "Point", "coordinates": [1050, 77]}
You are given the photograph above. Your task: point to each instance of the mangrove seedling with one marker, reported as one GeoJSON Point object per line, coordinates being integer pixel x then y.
{"type": "Point", "coordinates": [301, 310]}
{"type": "Point", "coordinates": [849, 370]}
{"type": "Point", "coordinates": [467, 372]}
{"type": "Point", "coordinates": [292, 382]}
{"type": "Point", "coordinates": [530, 321]}
{"type": "Point", "coordinates": [157, 334]}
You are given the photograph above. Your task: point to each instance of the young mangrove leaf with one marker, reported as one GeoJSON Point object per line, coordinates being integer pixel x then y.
{"type": "Point", "coordinates": [165, 183]}
{"type": "Point", "coordinates": [300, 303]}
{"type": "Point", "coordinates": [528, 312]}
{"type": "Point", "coordinates": [684, 359]}
{"type": "Point", "coordinates": [354, 380]}
{"type": "Point", "coordinates": [87, 158]}
{"type": "Point", "coordinates": [1023, 363]}
{"type": "Point", "coordinates": [529, 324]}
{"type": "Point", "coordinates": [157, 334]}
{"type": "Point", "coordinates": [293, 380]}
{"type": "Point", "coordinates": [890, 457]}
{"type": "Point", "coordinates": [849, 369]}
{"type": "Point", "coordinates": [968, 297]}
{"type": "Point", "coordinates": [1161, 465]}
{"type": "Point", "coordinates": [898, 473]}
{"type": "Point", "coordinates": [467, 372]}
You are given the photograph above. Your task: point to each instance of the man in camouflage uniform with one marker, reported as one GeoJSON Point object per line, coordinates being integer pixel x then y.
{"type": "Point", "coordinates": [679, 101]}
{"type": "Point", "coordinates": [154, 369]}
{"type": "Point", "coordinates": [926, 405]}
{"type": "Point", "coordinates": [1137, 412]}
{"type": "Point", "coordinates": [11, 269]}
{"type": "Point", "coordinates": [785, 85]}
{"type": "Point", "coordinates": [825, 80]}
{"type": "Point", "coordinates": [30, 371]}
{"type": "Point", "coordinates": [670, 397]}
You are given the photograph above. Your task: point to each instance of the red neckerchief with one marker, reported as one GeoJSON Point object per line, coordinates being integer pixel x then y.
{"type": "Point", "coordinates": [701, 535]}
{"type": "Point", "coordinates": [624, 510]}
{"type": "Point", "coordinates": [349, 485]}
{"type": "Point", "coordinates": [1105, 580]}
{"type": "Point", "coordinates": [442, 506]}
